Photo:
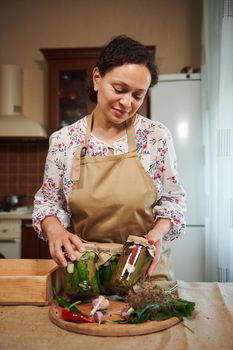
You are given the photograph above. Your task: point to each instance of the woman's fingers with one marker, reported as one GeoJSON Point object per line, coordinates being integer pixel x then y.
{"type": "Point", "coordinates": [68, 243]}
{"type": "Point", "coordinates": [57, 254]}
{"type": "Point", "coordinates": [155, 239]}
{"type": "Point", "coordinates": [77, 243]}
{"type": "Point", "coordinates": [155, 259]}
{"type": "Point", "coordinates": [72, 244]}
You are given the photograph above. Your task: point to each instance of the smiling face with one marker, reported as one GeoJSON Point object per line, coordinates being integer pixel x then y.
{"type": "Point", "coordinates": [120, 92]}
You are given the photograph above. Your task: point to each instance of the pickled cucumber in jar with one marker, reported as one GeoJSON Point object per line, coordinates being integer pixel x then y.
{"type": "Point", "coordinates": [81, 277]}
{"type": "Point", "coordinates": [108, 256]}
{"type": "Point", "coordinates": [134, 261]}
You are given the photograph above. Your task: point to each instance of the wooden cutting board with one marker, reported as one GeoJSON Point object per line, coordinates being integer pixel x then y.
{"type": "Point", "coordinates": [109, 329]}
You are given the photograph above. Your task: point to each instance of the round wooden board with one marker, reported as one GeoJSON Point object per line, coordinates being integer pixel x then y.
{"type": "Point", "coordinates": [108, 329]}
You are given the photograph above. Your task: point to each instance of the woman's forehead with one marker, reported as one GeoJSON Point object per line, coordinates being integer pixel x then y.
{"type": "Point", "coordinates": [131, 74]}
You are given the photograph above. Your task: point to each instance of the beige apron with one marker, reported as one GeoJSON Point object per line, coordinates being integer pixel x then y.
{"type": "Point", "coordinates": [113, 196]}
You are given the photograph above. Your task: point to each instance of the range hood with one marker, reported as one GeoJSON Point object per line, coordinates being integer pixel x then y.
{"type": "Point", "coordinates": [13, 124]}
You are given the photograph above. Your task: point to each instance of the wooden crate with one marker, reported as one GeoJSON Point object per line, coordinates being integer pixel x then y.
{"type": "Point", "coordinates": [26, 281]}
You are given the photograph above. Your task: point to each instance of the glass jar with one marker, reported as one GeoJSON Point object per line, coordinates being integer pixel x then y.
{"type": "Point", "coordinates": [135, 259]}
{"type": "Point", "coordinates": [108, 256]}
{"type": "Point", "coordinates": [81, 277]}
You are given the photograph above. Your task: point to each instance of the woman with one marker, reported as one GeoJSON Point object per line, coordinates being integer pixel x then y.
{"type": "Point", "coordinates": [112, 173]}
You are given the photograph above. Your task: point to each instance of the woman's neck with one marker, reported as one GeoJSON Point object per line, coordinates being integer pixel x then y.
{"type": "Point", "coordinates": [105, 130]}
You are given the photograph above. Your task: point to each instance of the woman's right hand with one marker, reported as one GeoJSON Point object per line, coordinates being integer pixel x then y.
{"type": "Point", "coordinates": [60, 240]}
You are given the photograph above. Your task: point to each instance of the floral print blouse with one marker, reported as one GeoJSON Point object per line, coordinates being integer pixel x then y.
{"type": "Point", "coordinates": [155, 149]}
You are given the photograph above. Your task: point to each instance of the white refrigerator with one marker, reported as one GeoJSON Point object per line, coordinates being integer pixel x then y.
{"type": "Point", "coordinates": [176, 102]}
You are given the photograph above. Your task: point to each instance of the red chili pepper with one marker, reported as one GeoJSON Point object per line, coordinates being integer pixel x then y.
{"type": "Point", "coordinates": [70, 316]}
{"type": "Point", "coordinates": [133, 254]}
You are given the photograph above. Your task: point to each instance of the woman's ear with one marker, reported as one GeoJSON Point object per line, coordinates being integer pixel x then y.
{"type": "Point", "coordinates": [96, 78]}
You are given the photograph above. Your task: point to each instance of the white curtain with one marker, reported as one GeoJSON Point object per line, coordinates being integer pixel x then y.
{"type": "Point", "coordinates": [217, 108]}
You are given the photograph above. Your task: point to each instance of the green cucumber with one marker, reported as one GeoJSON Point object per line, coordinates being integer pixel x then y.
{"type": "Point", "coordinates": [84, 283]}
{"type": "Point", "coordinates": [95, 283]}
{"type": "Point", "coordinates": [75, 277]}
{"type": "Point", "coordinates": [68, 280]}
{"type": "Point", "coordinates": [90, 255]}
{"type": "Point", "coordinates": [82, 271]}
{"type": "Point", "coordinates": [115, 258]}
{"type": "Point", "coordinates": [105, 276]}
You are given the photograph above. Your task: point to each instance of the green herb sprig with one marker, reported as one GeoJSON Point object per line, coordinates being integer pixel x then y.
{"type": "Point", "coordinates": [152, 303]}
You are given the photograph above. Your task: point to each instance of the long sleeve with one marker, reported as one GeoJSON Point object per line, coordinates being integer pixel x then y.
{"type": "Point", "coordinates": [172, 198]}
{"type": "Point", "coordinates": [156, 152]}
{"type": "Point", "coordinates": [50, 199]}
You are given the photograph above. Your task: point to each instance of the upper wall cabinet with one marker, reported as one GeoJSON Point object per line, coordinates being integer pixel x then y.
{"type": "Point", "coordinates": [69, 81]}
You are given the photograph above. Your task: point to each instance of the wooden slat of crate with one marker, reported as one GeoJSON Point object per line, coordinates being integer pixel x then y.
{"type": "Point", "coordinates": [26, 281]}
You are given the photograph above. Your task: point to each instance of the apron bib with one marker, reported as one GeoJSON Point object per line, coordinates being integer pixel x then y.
{"type": "Point", "coordinates": [113, 196]}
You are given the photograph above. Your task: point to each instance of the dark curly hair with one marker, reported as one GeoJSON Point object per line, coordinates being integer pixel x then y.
{"type": "Point", "coordinates": [121, 50]}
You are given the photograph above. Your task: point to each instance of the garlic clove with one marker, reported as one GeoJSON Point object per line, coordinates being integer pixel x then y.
{"type": "Point", "coordinates": [126, 312]}
{"type": "Point", "coordinates": [98, 317]}
{"type": "Point", "coordinates": [70, 267]}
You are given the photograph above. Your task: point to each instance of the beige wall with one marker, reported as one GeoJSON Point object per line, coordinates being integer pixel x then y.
{"type": "Point", "coordinates": [174, 26]}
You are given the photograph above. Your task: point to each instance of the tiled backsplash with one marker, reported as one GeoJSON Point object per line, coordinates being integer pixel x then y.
{"type": "Point", "coordinates": [21, 168]}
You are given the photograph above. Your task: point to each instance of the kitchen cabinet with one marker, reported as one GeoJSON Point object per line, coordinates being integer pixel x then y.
{"type": "Point", "coordinates": [10, 238]}
{"type": "Point", "coordinates": [32, 247]}
{"type": "Point", "coordinates": [69, 75]}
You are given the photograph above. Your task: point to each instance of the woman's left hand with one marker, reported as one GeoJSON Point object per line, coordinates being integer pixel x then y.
{"type": "Point", "coordinates": [155, 237]}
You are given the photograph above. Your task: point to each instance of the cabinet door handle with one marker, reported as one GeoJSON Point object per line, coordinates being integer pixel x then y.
{"type": "Point", "coordinates": [9, 240]}
{"type": "Point", "coordinates": [4, 230]}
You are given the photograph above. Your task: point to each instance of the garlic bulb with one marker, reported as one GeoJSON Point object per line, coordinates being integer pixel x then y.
{"type": "Point", "coordinates": [100, 303]}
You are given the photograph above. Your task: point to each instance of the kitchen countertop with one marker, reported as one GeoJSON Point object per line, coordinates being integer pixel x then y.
{"type": "Point", "coordinates": [20, 213]}
{"type": "Point", "coordinates": [210, 327]}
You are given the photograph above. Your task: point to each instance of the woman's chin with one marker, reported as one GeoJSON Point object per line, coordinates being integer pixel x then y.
{"type": "Point", "coordinates": [119, 117]}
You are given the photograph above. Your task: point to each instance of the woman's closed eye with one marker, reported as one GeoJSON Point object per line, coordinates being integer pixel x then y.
{"type": "Point", "coordinates": [119, 90]}
{"type": "Point", "coordinates": [138, 97]}
{"type": "Point", "coordinates": [135, 96]}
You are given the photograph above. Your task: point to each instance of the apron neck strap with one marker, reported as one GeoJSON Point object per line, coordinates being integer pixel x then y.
{"type": "Point", "coordinates": [131, 134]}
{"type": "Point", "coordinates": [129, 131]}
{"type": "Point", "coordinates": [89, 127]}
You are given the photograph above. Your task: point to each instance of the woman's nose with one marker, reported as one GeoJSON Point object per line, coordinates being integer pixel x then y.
{"type": "Point", "coordinates": [126, 100]}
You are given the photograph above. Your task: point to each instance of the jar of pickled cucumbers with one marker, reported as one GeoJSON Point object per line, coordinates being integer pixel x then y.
{"type": "Point", "coordinates": [81, 277]}
{"type": "Point", "coordinates": [108, 256]}
{"type": "Point", "coordinates": [134, 261]}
